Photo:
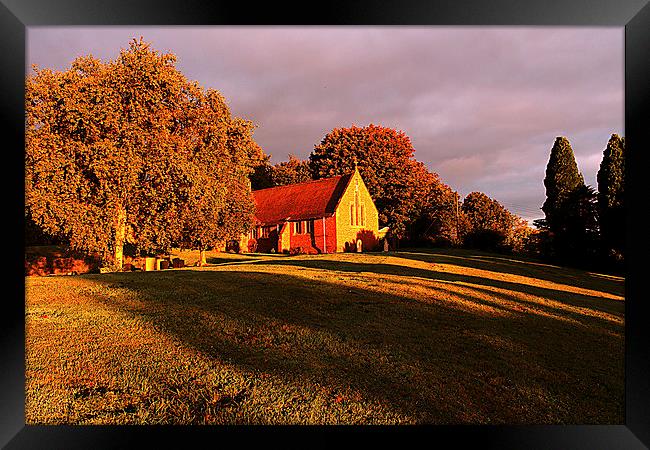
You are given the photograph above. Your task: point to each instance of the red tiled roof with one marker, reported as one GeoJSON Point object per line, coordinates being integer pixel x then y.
{"type": "Point", "coordinates": [301, 201]}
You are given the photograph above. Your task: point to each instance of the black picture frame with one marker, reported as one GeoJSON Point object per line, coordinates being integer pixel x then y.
{"type": "Point", "coordinates": [16, 15]}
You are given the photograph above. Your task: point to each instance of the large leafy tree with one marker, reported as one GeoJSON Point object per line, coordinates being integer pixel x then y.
{"type": "Point", "coordinates": [219, 206]}
{"type": "Point", "coordinates": [117, 152]}
{"type": "Point", "coordinates": [396, 181]}
{"type": "Point", "coordinates": [562, 178]}
{"type": "Point", "coordinates": [290, 172]}
{"type": "Point", "coordinates": [438, 222]}
{"type": "Point", "coordinates": [487, 223]}
{"type": "Point", "coordinates": [262, 175]}
{"type": "Point", "coordinates": [266, 175]}
{"type": "Point", "coordinates": [483, 212]}
{"type": "Point", "coordinates": [611, 190]}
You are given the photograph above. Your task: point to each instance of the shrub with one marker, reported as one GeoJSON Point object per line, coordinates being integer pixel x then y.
{"type": "Point", "coordinates": [486, 239]}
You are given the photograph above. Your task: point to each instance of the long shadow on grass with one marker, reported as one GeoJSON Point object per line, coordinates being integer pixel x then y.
{"type": "Point", "coordinates": [511, 305]}
{"type": "Point", "coordinates": [434, 363]}
{"type": "Point", "coordinates": [518, 266]}
{"type": "Point", "coordinates": [595, 303]}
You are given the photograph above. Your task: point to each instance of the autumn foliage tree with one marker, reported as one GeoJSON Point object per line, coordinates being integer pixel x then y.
{"type": "Point", "coordinates": [483, 212]}
{"type": "Point", "coordinates": [437, 223]}
{"type": "Point", "coordinates": [292, 171]}
{"type": "Point", "coordinates": [123, 151]}
{"type": "Point", "coordinates": [396, 181]}
{"type": "Point", "coordinates": [261, 175]}
{"type": "Point", "coordinates": [219, 205]}
{"type": "Point", "coordinates": [487, 223]}
{"type": "Point", "coordinates": [522, 238]}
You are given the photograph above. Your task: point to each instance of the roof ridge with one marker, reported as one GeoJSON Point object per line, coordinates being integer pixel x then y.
{"type": "Point", "coordinates": [302, 182]}
{"type": "Point", "coordinates": [299, 201]}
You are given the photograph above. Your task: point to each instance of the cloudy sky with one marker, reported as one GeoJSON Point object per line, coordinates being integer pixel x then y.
{"type": "Point", "coordinates": [482, 105]}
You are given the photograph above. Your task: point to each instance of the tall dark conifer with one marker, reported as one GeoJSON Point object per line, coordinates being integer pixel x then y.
{"type": "Point", "coordinates": [611, 187]}
{"type": "Point", "coordinates": [562, 178]}
{"type": "Point", "coordinates": [576, 241]}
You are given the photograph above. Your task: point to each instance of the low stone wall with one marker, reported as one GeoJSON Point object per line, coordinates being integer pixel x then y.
{"type": "Point", "coordinates": [55, 260]}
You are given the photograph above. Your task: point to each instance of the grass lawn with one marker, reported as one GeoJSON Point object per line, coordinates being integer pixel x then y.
{"type": "Point", "coordinates": [417, 336]}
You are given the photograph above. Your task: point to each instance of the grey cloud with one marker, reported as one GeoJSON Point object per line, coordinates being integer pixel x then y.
{"type": "Point", "coordinates": [482, 105]}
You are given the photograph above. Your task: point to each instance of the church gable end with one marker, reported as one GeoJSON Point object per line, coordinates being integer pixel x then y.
{"type": "Point", "coordinates": [356, 217]}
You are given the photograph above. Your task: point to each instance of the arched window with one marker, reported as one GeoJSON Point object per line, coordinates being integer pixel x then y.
{"type": "Point", "coordinates": [355, 209]}
{"type": "Point", "coordinates": [356, 206]}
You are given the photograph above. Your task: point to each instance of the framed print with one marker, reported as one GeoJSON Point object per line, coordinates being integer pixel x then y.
{"type": "Point", "coordinates": [389, 221]}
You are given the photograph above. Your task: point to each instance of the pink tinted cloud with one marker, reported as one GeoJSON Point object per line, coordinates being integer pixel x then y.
{"type": "Point", "coordinates": [482, 105]}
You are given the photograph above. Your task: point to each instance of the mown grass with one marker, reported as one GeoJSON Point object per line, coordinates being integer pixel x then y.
{"type": "Point", "coordinates": [439, 337]}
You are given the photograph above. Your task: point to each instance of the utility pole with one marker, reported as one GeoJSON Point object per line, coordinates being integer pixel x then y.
{"type": "Point", "coordinates": [457, 225]}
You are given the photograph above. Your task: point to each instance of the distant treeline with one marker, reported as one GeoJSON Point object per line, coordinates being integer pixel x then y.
{"type": "Point", "coordinates": [581, 227]}
{"type": "Point", "coordinates": [416, 205]}
{"type": "Point", "coordinates": [130, 154]}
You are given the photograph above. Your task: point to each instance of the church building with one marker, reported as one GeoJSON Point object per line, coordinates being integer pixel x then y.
{"type": "Point", "coordinates": [322, 216]}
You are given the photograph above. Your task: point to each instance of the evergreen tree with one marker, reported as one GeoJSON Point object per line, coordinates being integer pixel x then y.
{"type": "Point", "coordinates": [571, 210]}
{"type": "Point", "coordinates": [576, 239]}
{"type": "Point", "coordinates": [611, 186]}
{"type": "Point", "coordinates": [562, 178]}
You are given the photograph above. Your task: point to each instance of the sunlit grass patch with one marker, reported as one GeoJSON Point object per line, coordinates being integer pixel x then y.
{"type": "Point", "coordinates": [404, 337]}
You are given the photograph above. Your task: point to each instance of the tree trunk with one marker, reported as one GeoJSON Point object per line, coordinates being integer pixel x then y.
{"type": "Point", "coordinates": [120, 234]}
{"type": "Point", "coordinates": [202, 257]}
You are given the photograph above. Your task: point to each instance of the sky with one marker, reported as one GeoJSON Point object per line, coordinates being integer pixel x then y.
{"type": "Point", "coordinates": [482, 105]}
